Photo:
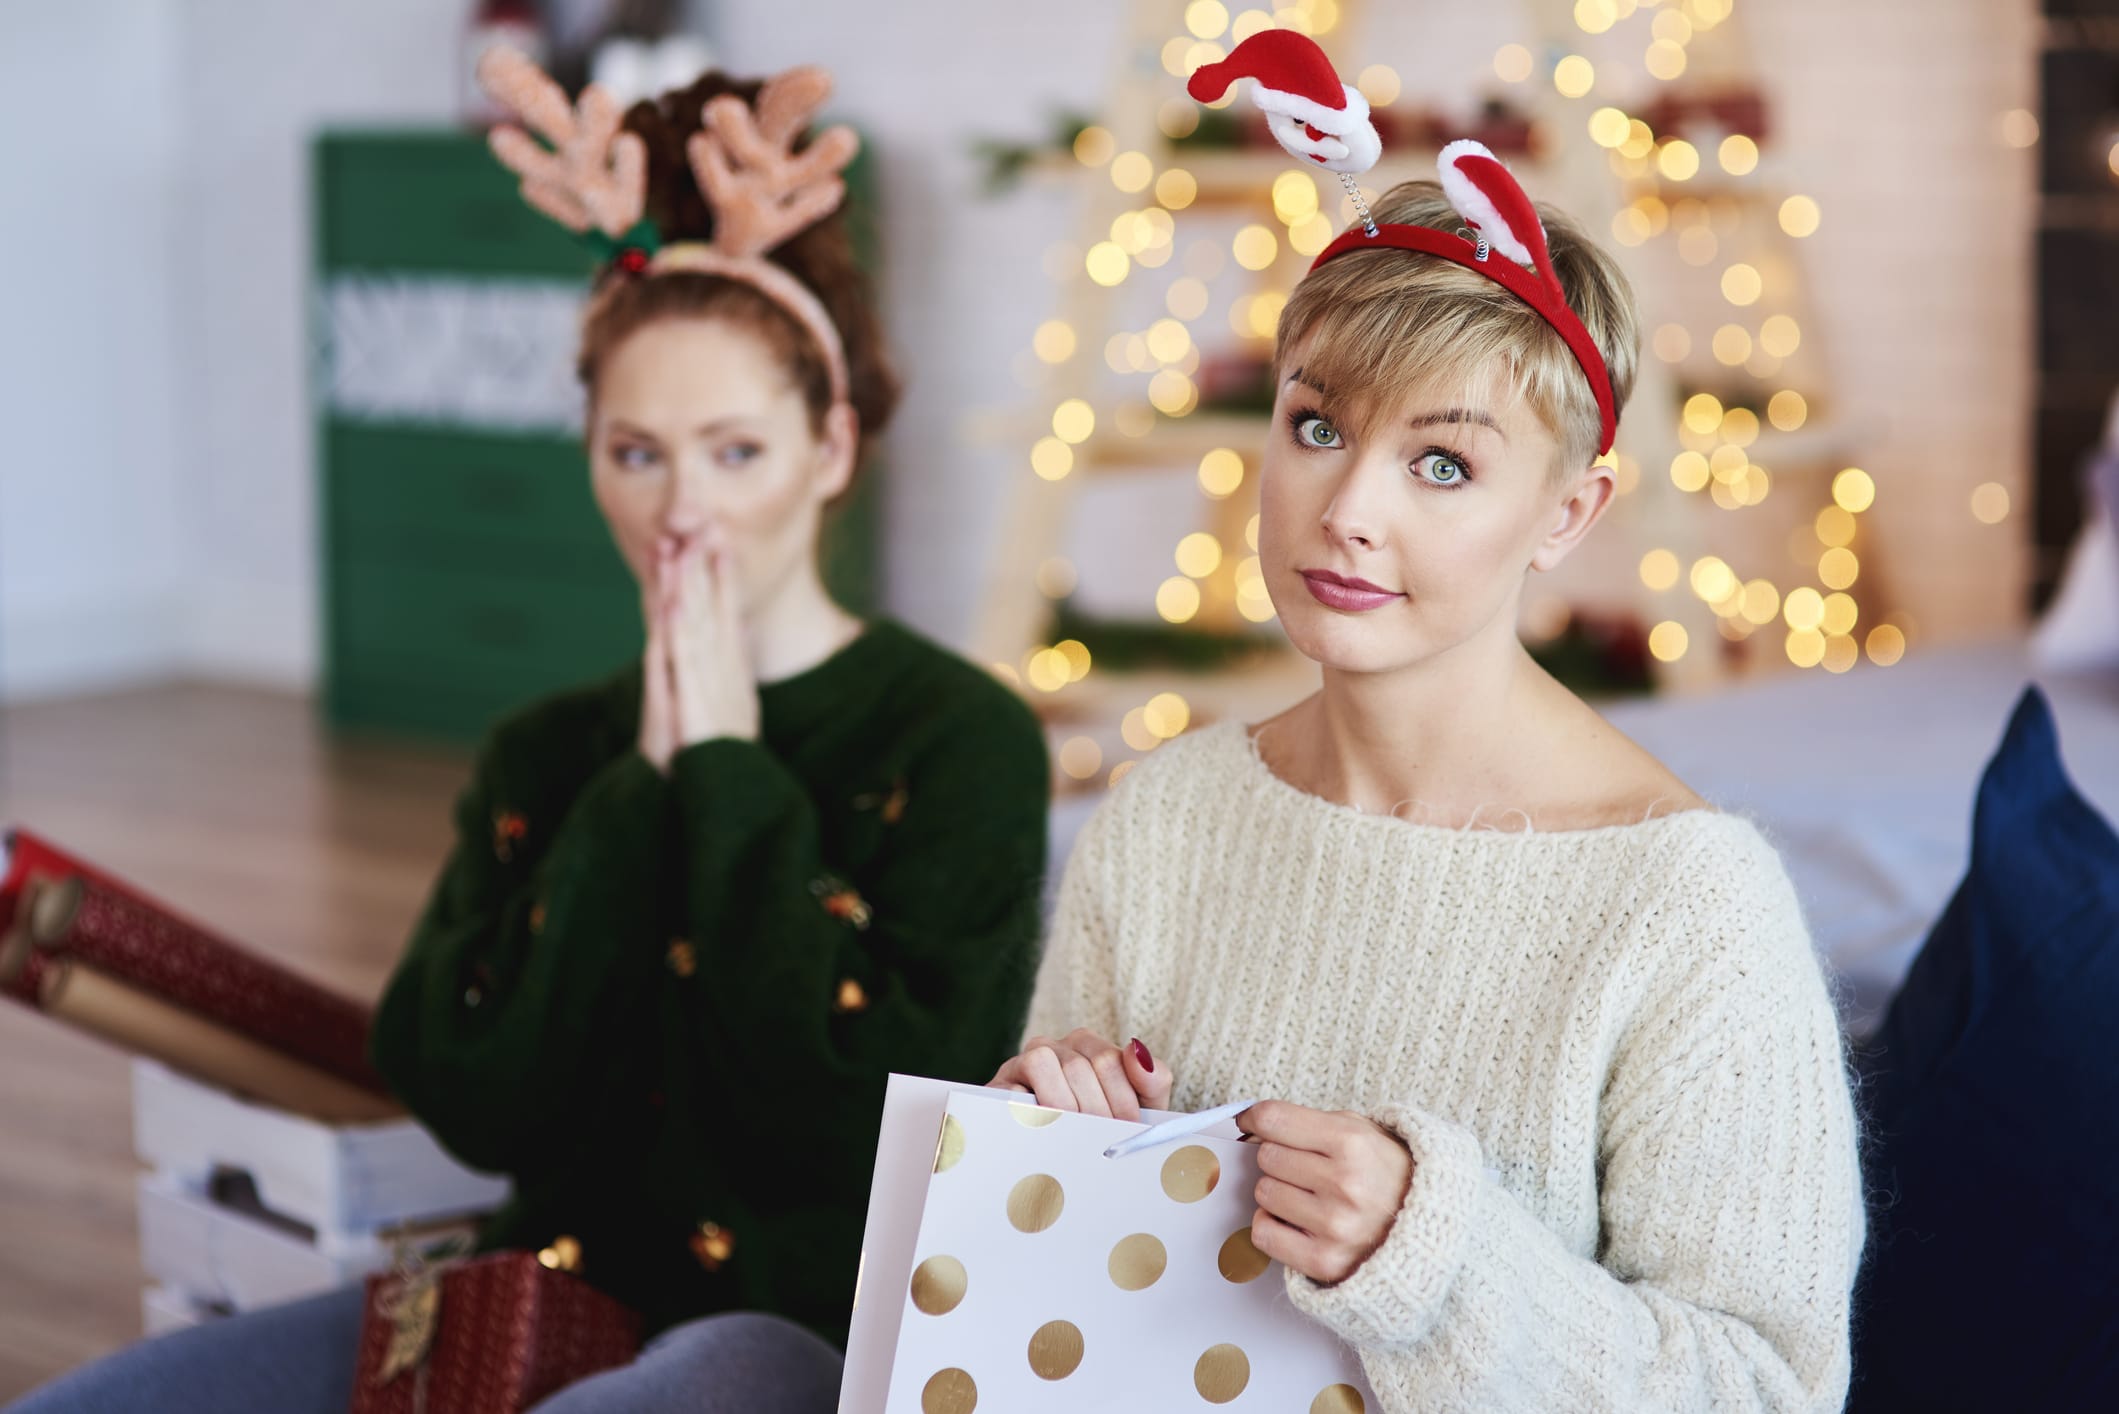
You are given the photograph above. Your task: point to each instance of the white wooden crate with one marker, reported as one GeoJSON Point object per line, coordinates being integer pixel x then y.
{"type": "Point", "coordinates": [220, 1256]}
{"type": "Point", "coordinates": [164, 1309]}
{"type": "Point", "coordinates": [346, 1182]}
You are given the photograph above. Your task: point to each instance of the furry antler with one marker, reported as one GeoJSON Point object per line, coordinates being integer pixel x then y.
{"type": "Point", "coordinates": [761, 189]}
{"type": "Point", "coordinates": [594, 176]}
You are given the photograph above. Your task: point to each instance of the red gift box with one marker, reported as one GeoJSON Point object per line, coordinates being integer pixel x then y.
{"type": "Point", "coordinates": [490, 1335]}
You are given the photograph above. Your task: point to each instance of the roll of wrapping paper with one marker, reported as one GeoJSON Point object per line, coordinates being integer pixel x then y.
{"type": "Point", "coordinates": [90, 920]}
{"type": "Point", "coordinates": [95, 1002]}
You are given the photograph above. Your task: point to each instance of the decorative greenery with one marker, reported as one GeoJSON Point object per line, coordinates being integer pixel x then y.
{"type": "Point", "coordinates": [1599, 657]}
{"type": "Point", "coordinates": [1007, 160]}
{"type": "Point", "coordinates": [1125, 645]}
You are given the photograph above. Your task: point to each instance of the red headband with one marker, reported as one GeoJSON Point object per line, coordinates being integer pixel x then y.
{"type": "Point", "coordinates": [1321, 121]}
{"type": "Point", "coordinates": [1541, 291]}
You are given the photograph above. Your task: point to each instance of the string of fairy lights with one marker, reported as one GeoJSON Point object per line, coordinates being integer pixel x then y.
{"type": "Point", "coordinates": [1670, 196]}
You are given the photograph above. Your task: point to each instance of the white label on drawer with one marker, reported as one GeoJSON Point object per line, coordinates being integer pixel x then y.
{"type": "Point", "coordinates": [492, 354]}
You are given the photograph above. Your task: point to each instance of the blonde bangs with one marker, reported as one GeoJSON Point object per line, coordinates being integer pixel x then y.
{"type": "Point", "coordinates": [1378, 329]}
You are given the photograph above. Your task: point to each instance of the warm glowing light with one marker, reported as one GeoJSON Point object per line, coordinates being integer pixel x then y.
{"type": "Point", "coordinates": [1168, 340]}
{"type": "Point", "coordinates": [1574, 76]}
{"type": "Point", "coordinates": [1206, 18]}
{"type": "Point", "coordinates": [1610, 127]}
{"type": "Point", "coordinates": [1854, 490]}
{"type": "Point", "coordinates": [1051, 458]}
{"type": "Point", "coordinates": [1738, 155]}
{"type": "Point", "coordinates": [1265, 313]}
{"type": "Point", "coordinates": [1712, 580]}
{"type": "Point", "coordinates": [1081, 758]}
{"type": "Point", "coordinates": [1046, 670]}
{"type": "Point", "coordinates": [1596, 16]}
{"type": "Point", "coordinates": [1255, 246]}
{"type": "Point", "coordinates": [1198, 555]}
{"type": "Point", "coordinates": [1667, 641]}
{"type": "Point", "coordinates": [1672, 343]}
{"type": "Point", "coordinates": [1132, 171]}
{"type": "Point", "coordinates": [1054, 341]}
{"type": "Point", "coordinates": [1659, 570]}
{"type": "Point", "coordinates": [1838, 568]}
{"type": "Point", "coordinates": [1762, 603]}
{"type": "Point", "coordinates": [1176, 188]}
{"type": "Point", "coordinates": [1834, 527]}
{"type": "Point", "coordinates": [1167, 714]}
{"type": "Point", "coordinates": [1672, 26]}
{"type": "Point", "coordinates": [1732, 344]}
{"type": "Point", "coordinates": [1990, 503]}
{"type": "Point", "coordinates": [1094, 145]}
{"type": "Point", "coordinates": [1665, 60]}
{"type": "Point", "coordinates": [2019, 128]}
{"type": "Point", "coordinates": [1703, 412]}
{"type": "Point", "coordinates": [1739, 427]}
{"type": "Point", "coordinates": [1198, 55]}
{"type": "Point", "coordinates": [1678, 160]}
{"type": "Point", "coordinates": [1250, 534]}
{"type": "Point", "coordinates": [1294, 197]}
{"type": "Point", "coordinates": [1803, 608]}
{"type": "Point", "coordinates": [1220, 472]}
{"type": "Point", "coordinates": [1841, 653]}
{"type": "Point", "coordinates": [1379, 84]}
{"type": "Point", "coordinates": [1780, 336]}
{"type": "Point", "coordinates": [1886, 645]}
{"type": "Point", "coordinates": [1248, 23]}
{"type": "Point", "coordinates": [1688, 471]}
{"type": "Point", "coordinates": [1806, 647]}
{"type": "Point", "coordinates": [1073, 421]}
{"type": "Point", "coordinates": [1741, 284]}
{"type": "Point", "coordinates": [1312, 235]}
{"type": "Point", "coordinates": [1697, 244]}
{"type": "Point", "coordinates": [1512, 63]}
{"type": "Point", "coordinates": [1799, 216]}
{"type": "Point", "coordinates": [1177, 600]}
{"type": "Point", "coordinates": [1133, 727]}
{"type": "Point", "coordinates": [1106, 263]}
{"type": "Point", "coordinates": [1840, 614]}
{"type": "Point", "coordinates": [1640, 140]}
{"type": "Point", "coordinates": [1787, 410]}
{"type": "Point", "coordinates": [1174, 54]}
{"type": "Point", "coordinates": [1172, 393]}
{"type": "Point", "coordinates": [1178, 118]}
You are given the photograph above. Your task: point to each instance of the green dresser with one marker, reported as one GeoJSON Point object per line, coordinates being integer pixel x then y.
{"type": "Point", "coordinates": [466, 570]}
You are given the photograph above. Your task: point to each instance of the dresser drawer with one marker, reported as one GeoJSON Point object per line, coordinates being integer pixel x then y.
{"type": "Point", "coordinates": [449, 650]}
{"type": "Point", "coordinates": [432, 496]}
{"type": "Point", "coordinates": [435, 202]}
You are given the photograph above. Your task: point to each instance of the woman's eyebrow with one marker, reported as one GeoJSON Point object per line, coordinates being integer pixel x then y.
{"type": "Point", "coordinates": [1296, 377]}
{"type": "Point", "coordinates": [1458, 415]}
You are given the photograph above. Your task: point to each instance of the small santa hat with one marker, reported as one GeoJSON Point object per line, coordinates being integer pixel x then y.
{"type": "Point", "coordinates": [1294, 79]}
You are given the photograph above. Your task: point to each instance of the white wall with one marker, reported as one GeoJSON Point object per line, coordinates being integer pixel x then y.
{"type": "Point", "coordinates": [156, 505]}
{"type": "Point", "coordinates": [90, 555]}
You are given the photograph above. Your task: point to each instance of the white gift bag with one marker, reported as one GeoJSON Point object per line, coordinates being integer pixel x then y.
{"type": "Point", "coordinates": [1010, 1266]}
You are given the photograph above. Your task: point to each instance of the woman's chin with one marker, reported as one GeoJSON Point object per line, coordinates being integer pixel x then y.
{"type": "Point", "coordinates": [1347, 643]}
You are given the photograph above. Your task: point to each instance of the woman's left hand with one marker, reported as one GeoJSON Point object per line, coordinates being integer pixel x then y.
{"type": "Point", "coordinates": [1330, 1187]}
{"type": "Point", "coordinates": [715, 688]}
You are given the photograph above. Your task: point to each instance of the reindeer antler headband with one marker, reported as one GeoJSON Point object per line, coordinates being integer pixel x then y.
{"type": "Point", "coordinates": [593, 181]}
{"type": "Point", "coordinates": [1320, 120]}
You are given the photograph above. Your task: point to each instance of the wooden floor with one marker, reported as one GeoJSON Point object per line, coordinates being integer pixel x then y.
{"type": "Point", "coordinates": [233, 806]}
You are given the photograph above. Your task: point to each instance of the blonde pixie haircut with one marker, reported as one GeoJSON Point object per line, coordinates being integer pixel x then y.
{"type": "Point", "coordinates": [1384, 324]}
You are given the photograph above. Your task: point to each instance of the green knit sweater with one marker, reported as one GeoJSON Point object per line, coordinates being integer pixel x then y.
{"type": "Point", "coordinates": [666, 1006]}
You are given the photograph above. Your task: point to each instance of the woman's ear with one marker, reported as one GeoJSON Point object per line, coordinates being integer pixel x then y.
{"type": "Point", "coordinates": [1594, 488]}
{"type": "Point", "coordinates": [840, 445]}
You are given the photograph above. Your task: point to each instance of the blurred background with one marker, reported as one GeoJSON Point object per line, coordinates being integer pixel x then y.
{"type": "Point", "coordinates": [294, 505]}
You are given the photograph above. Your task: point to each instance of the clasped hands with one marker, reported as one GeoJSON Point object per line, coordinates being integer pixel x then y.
{"type": "Point", "coordinates": [1330, 1183]}
{"type": "Point", "coordinates": [697, 680]}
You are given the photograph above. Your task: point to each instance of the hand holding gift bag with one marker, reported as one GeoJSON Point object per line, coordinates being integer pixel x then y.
{"type": "Point", "coordinates": [1010, 1264]}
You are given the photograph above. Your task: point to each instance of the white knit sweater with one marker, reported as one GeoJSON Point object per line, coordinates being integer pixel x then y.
{"type": "Point", "coordinates": [1610, 1052]}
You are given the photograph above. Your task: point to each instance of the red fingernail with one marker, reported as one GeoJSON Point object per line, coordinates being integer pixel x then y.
{"type": "Point", "coordinates": [1140, 1053]}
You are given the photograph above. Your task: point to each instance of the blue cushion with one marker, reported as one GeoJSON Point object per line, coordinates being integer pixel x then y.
{"type": "Point", "coordinates": [1992, 1089]}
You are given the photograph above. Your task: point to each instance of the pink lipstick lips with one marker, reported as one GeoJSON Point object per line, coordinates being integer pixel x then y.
{"type": "Point", "coordinates": [1345, 593]}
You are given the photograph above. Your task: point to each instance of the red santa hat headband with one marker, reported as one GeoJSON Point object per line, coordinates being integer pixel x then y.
{"type": "Point", "coordinates": [1320, 120]}
{"type": "Point", "coordinates": [593, 181]}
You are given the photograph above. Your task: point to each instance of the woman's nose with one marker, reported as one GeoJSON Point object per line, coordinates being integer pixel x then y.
{"type": "Point", "coordinates": [685, 510]}
{"type": "Point", "coordinates": [1354, 515]}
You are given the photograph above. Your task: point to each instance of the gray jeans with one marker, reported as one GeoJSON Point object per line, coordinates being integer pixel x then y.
{"type": "Point", "coordinates": [298, 1359]}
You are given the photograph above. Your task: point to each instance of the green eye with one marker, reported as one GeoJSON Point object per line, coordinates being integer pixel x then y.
{"type": "Point", "coordinates": [1441, 469]}
{"type": "Point", "coordinates": [1316, 432]}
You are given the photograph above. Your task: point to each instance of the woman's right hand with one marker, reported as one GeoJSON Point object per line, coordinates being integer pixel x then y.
{"type": "Point", "coordinates": [1089, 1075]}
{"type": "Point", "coordinates": [658, 707]}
